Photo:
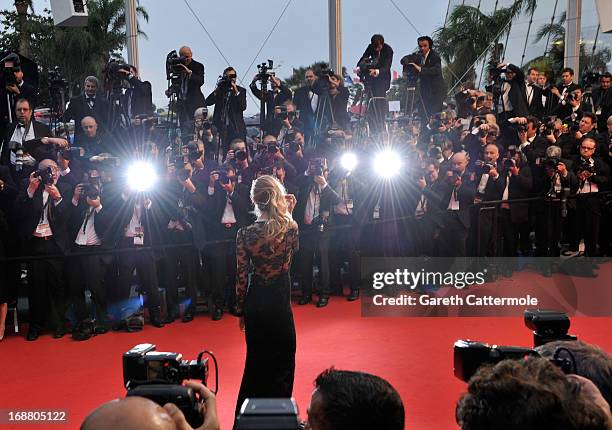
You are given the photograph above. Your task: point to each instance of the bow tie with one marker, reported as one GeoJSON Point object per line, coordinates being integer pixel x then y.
{"type": "Point", "coordinates": [20, 125]}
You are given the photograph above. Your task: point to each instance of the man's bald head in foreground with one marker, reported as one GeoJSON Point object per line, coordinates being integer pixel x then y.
{"type": "Point", "coordinates": [135, 413]}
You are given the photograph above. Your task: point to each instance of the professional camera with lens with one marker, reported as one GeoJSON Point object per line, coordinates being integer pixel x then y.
{"type": "Point", "coordinates": [89, 190]}
{"type": "Point", "coordinates": [552, 163]}
{"type": "Point", "coordinates": [508, 163]}
{"type": "Point", "coordinates": [11, 64]}
{"type": "Point", "coordinates": [116, 70]}
{"type": "Point", "coordinates": [263, 71]}
{"type": "Point", "coordinates": [283, 114]}
{"type": "Point", "coordinates": [365, 65]}
{"type": "Point", "coordinates": [173, 62]}
{"type": "Point", "coordinates": [484, 166]}
{"type": "Point", "coordinates": [316, 166]}
{"type": "Point", "coordinates": [586, 166]}
{"type": "Point", "coordinates": [409, 71]}
{"type": "Point", "coordinates": [158, 376]}
{"type": "Point", "coordinates": [547, 326]}
{"type": "Point", "coordinates": [45, 175]}
{"type": "Point", "coordinates": [241, 155]}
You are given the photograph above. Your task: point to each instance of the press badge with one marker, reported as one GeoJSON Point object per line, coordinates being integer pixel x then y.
{"type": "Point", "coordinates": [43, 229]}
{"type": "Point", "coordinates": [139, 238]}
{"type": "Point", "coordinates": [349, 204]}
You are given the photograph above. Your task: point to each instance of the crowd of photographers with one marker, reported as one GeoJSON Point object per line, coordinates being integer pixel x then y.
{"type": "Point", "coordinates": [442, 181]}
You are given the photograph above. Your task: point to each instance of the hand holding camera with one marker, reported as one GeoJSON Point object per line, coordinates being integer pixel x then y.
{"type": "Point", "coordinates": [214, 177]}
{"type": "Point", "coordinates": [53, 192]}
{"type": "Point", "coordinates": [94, 203]}
{"type": "Point", "coordinates": [34, 182]}
{"type": "Point", "coordinates": [291, 202]}
{"type": "Point", "coordinates": [13, 88]}
{"type": "Point", "coordinates": [209, 409]}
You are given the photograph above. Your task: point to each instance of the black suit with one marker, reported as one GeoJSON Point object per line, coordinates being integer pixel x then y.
{"type": "Point", "coordinates": [433, 87]}
{"type": "Point", "coordinates": [456, 223]}
{"type": "Point", "coordinates": [46, 289]}
{"type": "Point", "coordinates": [79, 108]}
{"type": "Point", "coordinates": [602, 99]}
{"type": "Point", "coordinates": [34, 147]}
{"type": "Point", "coordinates": [26, 91]}
{"type": "Point", "coordinates": [331, 109]}
{"type": "Point", "coordinates": [272, 99]}
{"type": "Point", "coordinates": [535, 105]}
{"type": "Point", "coordinates": [379, 85]}
{"type": "Point", "coordinates": [232, 126]}
{"type": "Point", "coordinates": [517, 93]}
{"type": "Point", "coordinates": [302, 98]}
{"type": "Point", "coordinates": [8, 193]}
{"type": "Point", "coordinates": [193, 98]}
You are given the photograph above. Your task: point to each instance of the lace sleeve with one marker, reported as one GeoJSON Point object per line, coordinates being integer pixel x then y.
{"type": "Point", "coordinates": [295, 239]}
{"type": "Point", "coordinates": [242, 268]}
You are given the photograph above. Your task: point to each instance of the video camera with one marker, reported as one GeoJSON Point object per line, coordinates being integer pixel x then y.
{"type": "Point", "coordinates": [547, 326]}
{"type": "Point", "coordinates": [409, 72]}
{"type": "Point", "coordinates": [173, 61]}
{"type": "Point", "coordinates": [158, 376]}
{"type": "Point", "coordinates": [263, 71]}
{"type": "Point", "coordinates": [11, 64]}
{"type": "Point", "coordinates": [116, 71]}
{"type": "Point", "coordinates": [365, 65]}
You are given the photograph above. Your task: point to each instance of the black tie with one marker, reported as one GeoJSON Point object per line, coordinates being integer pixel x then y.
{"type": "Point", "coordinates": [90, 102]}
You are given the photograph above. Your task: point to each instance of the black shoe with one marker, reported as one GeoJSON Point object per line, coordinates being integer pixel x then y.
{"type": "Point", "coordinates": [217, 313]}
{"type": "Point", "coordinates": [119, 325]}
{"type": "Point", "coordinates": [354, 295]}
{"type": "Point", "coordinates": [170, 319]}
{"type": "Point", "coordinates": [32, 334]}
{"type": "Point", "coordinates": [81, 333]}
{"type": "Point", "coordinates": [155, 316]}
{"type": "Point", "coordinates": [189, 314]}
{"type": "Point", "coordinates": [304, 300]}
{"type": "Point", "coordinates": [100, 328]}
{"type": "Point", "coordinates": [59, 333]}
{"type": "Point", "coordinates": [323, 301]}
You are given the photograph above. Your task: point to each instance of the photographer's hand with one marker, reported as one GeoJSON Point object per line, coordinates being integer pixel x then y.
{"type": "Point", "coordinates": [76, 195]}
{"type": "Point", "coordinates": [320, 181]}
{"type": "Point", "coordinates": [34, 183]}
{"type": "Point", "coordinates": [374, 72]}
{"type": "Point", "coordinates": [416, 66]}
{"type": "Point", "coordinates": [53, 192]}
{"type": "Point", "coordinates": [94, 203]}
{"type": "Point", "coordinates": [186, 69]}
{"type": "Point", "coordinates": [514, 170]}
{"type": "Point", "coordinates": [13, 88]}
{"type": "Point", "coordinates": [291, 202]}
{"type": "Point", "coordinates": [562, 169]}
{"type": "Point", "coordinates": [209, 410]}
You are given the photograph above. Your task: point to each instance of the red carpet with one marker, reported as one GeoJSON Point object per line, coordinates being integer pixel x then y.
{"type": "Point", "coordinates": [414, 354]}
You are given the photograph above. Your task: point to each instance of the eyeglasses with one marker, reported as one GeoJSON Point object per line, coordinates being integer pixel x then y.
{"type": "Point", "coordinates": [587, 149]}
{"type": "Point", "coordinates": [492, 134]}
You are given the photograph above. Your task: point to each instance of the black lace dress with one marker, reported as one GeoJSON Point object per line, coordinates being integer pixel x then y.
{"type": "Point", "coordinates": [269, 328]}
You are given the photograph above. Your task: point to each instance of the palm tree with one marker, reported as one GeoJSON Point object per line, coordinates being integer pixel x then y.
{"type": "Point", "coordinates": [469, 33]}
{"type": "Point", "coordinates": [553, 59]}
{"type": "Point", "coordinates": [22, 7]}
{"type": "Point", "coordinates": [297, 80]}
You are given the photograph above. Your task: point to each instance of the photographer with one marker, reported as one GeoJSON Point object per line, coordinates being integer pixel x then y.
{"type": "Point", "coordinates": [592, 174]}
{"type": "Point", "coordinates": [13, 87]}
{"type": "Point", "coordinates": [203, 131]}
{"type": "Point", "coordinates": [42, 208]}
{"type": "Point", "coordinates": [572, 108]}
{"type": "Point", "coordinates": [429, 70]}
{"type": "Point", "coordinates": [513, 98]}
{"type": "Point", "coordinates": [138, 97]}
{"type": "Point", "coordinates": [86, 228]}
{"type": "Point", "coordinates": [560, 92]}
{"type": "Point", "coordinates": [532, 143]}
{"type": "Point", "coordinates": [191, 79]}
{"type": "Point", "coordinates": [230, 103]}
{"type": "Point", "coordinates": [457, 191]}
{"type": "Point", "coordinates": [90, 103]}
{"type": "Point", "coordinates": [286, 119]}
{"type": "Point", "coordinates": [26, 141]}
{"type": "Point", "coordinates": [535, 104]}
{"type": "Point", "coordinates": [93, 141]}
{"type": "Point", "coordinates": [228, 208]}
{"type": "Point", "coordinates": [333, 99]}
{"type": "Point", "coordinates": [314, 204]}
{"type": "Point", "coordinates": [306, 102]}
{"type": "Point", "coordinates": [238, 158]}
{"type": "Point", "coordinates": [277, 96]}
{"type": "Point", "coordinates": [602, 98]}
{"type": "Point", "coordinates": [294, 151]}
{"type": "Point", "coordinates": [139, 413]}
{"type": "Point", "coordinates": [375, 73]}
{"type": "Point", "coordinates": [577, 132]}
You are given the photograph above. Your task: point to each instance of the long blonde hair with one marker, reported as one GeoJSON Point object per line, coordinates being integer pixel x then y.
{"type": "Point", "coordinates": [268, 195]}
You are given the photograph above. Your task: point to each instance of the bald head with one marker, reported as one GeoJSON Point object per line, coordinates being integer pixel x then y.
{"type": "Point", "coordinates": [89, 126]}
{"type": "Point", "coordinates": [185, 51]}
{"type": "Point", "coordinates": [131, 413]}
{"type": "Point", "coordinates": [459, 161]}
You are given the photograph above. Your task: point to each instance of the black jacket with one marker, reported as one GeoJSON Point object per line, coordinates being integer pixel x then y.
{"type": "Point", "coordinates": [30, 210]}
{"type": "Point", "coordinates": [237, 105]}
{"type": "Point", "coordinates": [602, 99]}
{"type": "Point", "coordinates": [302, 100]}
{"type": "Point", "coordinates": [272, 99]}
{"type": "Point", "coordinates": [26, 91]}
{"type": "Point", "coordinates": [536, 108]}
{"type": "Point", "coordinates": [433, 87]}
{"type": "Point", "coordinates": [77, 214]}
{"type": "Point", "coordinates": [194, 97]}
{"type": "Point", "coordinates": [78, 108]}
{"type": "Point", "coordinates": [332, 109]}
{"type": "Point", "coordinates": [385, 59]}
{"type": "Point", "coordinates": [517, 93]}
{"type": "Point", "coordinates": [465, 195]}
{"type": "Point", "coordinates": [328, 197]}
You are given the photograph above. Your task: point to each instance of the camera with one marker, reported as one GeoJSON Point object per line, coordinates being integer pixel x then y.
{"type": "Point", "coordinates": [586, 166]}
{"type": "Point", "coordinates": [484, 166]}
{"type": "Point", "coordinates": [158, 376]}
{"type": "Point", "coordinates": [552, 163]}
{"type": "Point", "coordinates": [547, 326]}
{"type": "Point", "coordinates": [117, 71]}
{"type": "Point", "coordinates": [283, 114]}
{"type": "Point", "coordinates": [45, 175]}
{"type": "Point", "coordinates": [509, 163]}
{"type": "Point", "coordinates": [90, 191]}
{"type": "Point", "coordinates": [173, 61]}
{"type": "Point", "coordinates": [316, 166]}
{"type": "Point", "coordinates": [365, 65]}
{"type": "Point", "coordinates": [280, 414]}
{"type": "Point", "coordinates": [409, 71]}
{"type": "Point", "coordinates": [263, 71]}
{"type": "Point", "coordinates": [241, 155]}
{"type": "Point", "coordinates": [11, 64]}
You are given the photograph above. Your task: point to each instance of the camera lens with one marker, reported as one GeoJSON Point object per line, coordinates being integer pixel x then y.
{"type": "Point", "coordinates": [241, 155]}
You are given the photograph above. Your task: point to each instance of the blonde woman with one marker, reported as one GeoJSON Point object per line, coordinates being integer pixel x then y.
{"type": "Point", "coordinates": [268, 246]}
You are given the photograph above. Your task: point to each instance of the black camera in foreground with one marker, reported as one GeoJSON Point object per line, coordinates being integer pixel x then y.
{"type": "Point", "coordinates": [547, 326]}
{"type": "Point", "coordinates": [45, 176]}
{"type": "Point", "coordinates": [90, 191]}
{"type": "Point", "coordinates": [266, 414]}
{"type": "Point", "coordinates": [158, 376]}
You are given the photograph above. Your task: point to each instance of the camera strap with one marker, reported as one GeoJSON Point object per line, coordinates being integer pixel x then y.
{"type": "Point", "coordinates": [90, 212]}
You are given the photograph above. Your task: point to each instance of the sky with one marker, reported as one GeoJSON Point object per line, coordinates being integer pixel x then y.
{"type": "Point", "coordinates": [239, 28]}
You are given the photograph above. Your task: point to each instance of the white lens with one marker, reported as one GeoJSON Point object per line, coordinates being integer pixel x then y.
{"type": "Point", "coordinates": [348, 161]}
{"type": "Point", "coordinates": [141, 176]}
{"type": "Point", "coordinates": [387, 164]}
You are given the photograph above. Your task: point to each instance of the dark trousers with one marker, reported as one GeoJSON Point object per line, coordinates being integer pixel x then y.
{"type": "Point", "coordinates": [377, 106]}
{"type": "Point", "coordinates": [144, 263]}
{"type": "Point", "coordinates": [453, 236]}
{"type": "Point", "coordinates": [86, 272]}
{"type": "Point", "coordinates": [344, 246]}
{"type": "Point", "coordinates": [223, 258]}
{"type": "Point", "coordinates": [313, 243]}
{"type": "Point", "coordinates": [548, 229]}
{"type": "Point", "coordinates": [421, 241]}
{"type": "Point", "coordinates": [588, 218]}
{"type": "Point", "coordinates": [185, 259]}
{"type": "Point", "coordinates": [46, 288]}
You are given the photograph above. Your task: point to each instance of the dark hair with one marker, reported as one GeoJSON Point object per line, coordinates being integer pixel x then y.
{"type": "Point", "coordinates": [590, 115]}
{"type": "Point", "coordinates": [358, 400]}
{"type": "Point", "coordinates": [228, 69]}
{"type": "Point", "coordinates": [591, 362]}
{"type": "Point", "coordinates": [533, 68]}
{"type": "Point", "coordinates": [377, 38]}
{"type": "Point", "coordinates": [606, 75]}
{"type": "Point", "coordinates": [534, 121]}
{"type": "Point", "coordinates": [568, 69]}
{"type": "Point", "coordinates": [21, 100]}
{"type": "Point", "coordinates": [528, 395]}
{"type": "Point", "coordinates": [428, 39]}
